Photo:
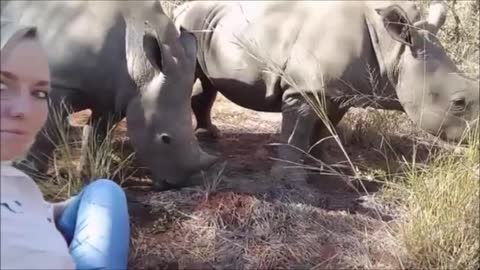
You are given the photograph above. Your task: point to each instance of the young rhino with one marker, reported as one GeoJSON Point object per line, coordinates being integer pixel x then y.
{"type": "Point", "coordinates": [160, 120]}
{"type": "Point", "coordinates": [333, 49]}
{"type": "Point", "coordinates": [432, 90]}
{"type": "Point", "coordinates": [120, 59]}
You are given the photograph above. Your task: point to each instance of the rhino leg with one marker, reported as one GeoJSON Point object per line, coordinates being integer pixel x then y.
{"type": "Point", "coordinates": [203, 97]}
{"type": "Point", "coordinates": [326, 179]}
{"type": "Point", "coordinates": [298, 120]}
{"type": "Point", "coordinates": [320, 131]}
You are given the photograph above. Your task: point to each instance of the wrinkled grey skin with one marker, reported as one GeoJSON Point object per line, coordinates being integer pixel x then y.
{"type": "Point", "coordinates": [347, 50]}
{"type": "Point", "coordinates": [104, 57]}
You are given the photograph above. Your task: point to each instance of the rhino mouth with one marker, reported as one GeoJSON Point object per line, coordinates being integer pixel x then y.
{"type": "Point", "coordinates": [190, 180]}
{"type": "Point", "coordinates": [463, 140]}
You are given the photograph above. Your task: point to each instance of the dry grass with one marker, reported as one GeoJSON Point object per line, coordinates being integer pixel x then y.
{"type": "Point", "coordinates": [101, 160]}
{"type": "Point", "coordinates": [240, 231]}
{"type": "Point", "coordinates": [439, 224]}
{"type": "Point", "coordinates": [460, 34]}
{"type": "Point", "coordinates": [426, 217]}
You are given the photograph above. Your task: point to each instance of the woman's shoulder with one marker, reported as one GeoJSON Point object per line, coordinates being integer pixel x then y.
{"type": "Point", "coordinates": [13, 176]}
{"type": "Point", "coordinates": [7, 169]}
{"type": "Point", "coordinates": [16, 184]}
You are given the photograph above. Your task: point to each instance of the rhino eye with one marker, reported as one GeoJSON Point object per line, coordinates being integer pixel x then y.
{"type": "Point", "coordinates": [459, 104]}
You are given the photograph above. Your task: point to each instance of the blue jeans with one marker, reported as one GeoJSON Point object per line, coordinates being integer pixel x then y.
{"type": "Point", "coordinates": [96, 226]}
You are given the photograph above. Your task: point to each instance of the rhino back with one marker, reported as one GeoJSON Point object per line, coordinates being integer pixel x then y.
{"type": "Point", "coordinates": [85, 42]}
{"type": "Point", "coordinates": [332, 46]}
{"type": "Point", "coordinates": [306, 42]}
{"type": "Point", "coordinates": [220, 27]}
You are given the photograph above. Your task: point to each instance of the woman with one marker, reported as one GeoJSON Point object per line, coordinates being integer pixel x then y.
{"type": "Point", "coordinates": [88, 231]}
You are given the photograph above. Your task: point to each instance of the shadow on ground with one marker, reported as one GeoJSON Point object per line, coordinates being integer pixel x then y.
{"type": "Point", "coordinates": [242, 218]}
{"type": "Point", "coordinates": [226, 209]}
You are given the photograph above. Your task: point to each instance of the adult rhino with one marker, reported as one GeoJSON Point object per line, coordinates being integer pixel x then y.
{"type": "Point", "coordinates": [121, 59]}
{"type": "Point", "coordinates": [264, 55]}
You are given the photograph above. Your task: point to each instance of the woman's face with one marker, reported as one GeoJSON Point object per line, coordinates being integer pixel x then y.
{"type": "Point", "coordinates": [24, 89]}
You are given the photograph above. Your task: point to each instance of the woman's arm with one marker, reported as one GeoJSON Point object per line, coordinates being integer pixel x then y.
{"type": "Point", "coordinates": [64, 215]}
{"type": "Point", "coordinates": [59, 207]}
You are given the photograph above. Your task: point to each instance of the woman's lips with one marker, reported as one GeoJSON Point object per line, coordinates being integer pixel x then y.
{"type": "Point", "coordinates": [13, 132]}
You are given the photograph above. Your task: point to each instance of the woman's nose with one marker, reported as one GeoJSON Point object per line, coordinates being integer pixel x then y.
{"type": "Point", "coordinates": [20, 107]}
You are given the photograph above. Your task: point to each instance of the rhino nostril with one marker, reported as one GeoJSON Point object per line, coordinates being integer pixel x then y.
{"type": "Point", "coordinates": [164, 138]}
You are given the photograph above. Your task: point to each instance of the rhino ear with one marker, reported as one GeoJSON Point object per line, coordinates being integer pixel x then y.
{"type": "Point", "coordinates": [152, 51]}
{"type": "Point", "coordinates": [189, 43]}
{"type": "Point", "coordinates": [398, 25]}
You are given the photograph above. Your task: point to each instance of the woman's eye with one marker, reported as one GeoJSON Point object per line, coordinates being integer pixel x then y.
{"type": "Point", "coordinates": [41, 94]}
{"type": "Point", "coordinates": [3, 89]}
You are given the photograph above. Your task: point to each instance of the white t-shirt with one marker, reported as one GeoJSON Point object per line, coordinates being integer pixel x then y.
{"type": "Point", "coordinates": [29, 237]}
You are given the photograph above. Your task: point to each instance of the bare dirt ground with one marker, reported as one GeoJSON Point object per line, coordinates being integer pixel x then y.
{"type": "Point", "coordinates": [242, 219]}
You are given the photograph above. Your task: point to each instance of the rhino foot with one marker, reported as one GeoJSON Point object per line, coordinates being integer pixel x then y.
{"type": "Point", "coordinates": [159, 186]}
{"type": "Point", "coordinates": [330, 183]}
{"type": "Point", "coordinates": [211, 132]}
{"type": "Point", "coordinates": [193, 180]}
{"type": "Point", "coordinates": [282, 171]}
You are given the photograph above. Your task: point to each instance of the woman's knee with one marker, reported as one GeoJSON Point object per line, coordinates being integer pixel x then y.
{"type": "Point", "coordinates": [105, 188]}
{"type": "Point", "coordinates": [103, 229]}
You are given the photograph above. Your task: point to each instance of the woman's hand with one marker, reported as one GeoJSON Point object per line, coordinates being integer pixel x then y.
{"type": "Point", "coordinates": [59, 207]}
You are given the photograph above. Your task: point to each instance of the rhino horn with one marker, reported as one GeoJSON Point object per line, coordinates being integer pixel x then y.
{"type": "Point", "coordinates": [437, 15]}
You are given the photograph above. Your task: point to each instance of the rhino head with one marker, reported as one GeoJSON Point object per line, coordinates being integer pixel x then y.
{"type": "Point", "coordinates": [432, 90]}
{"type": "Point", "coordinates": [162, 61]}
